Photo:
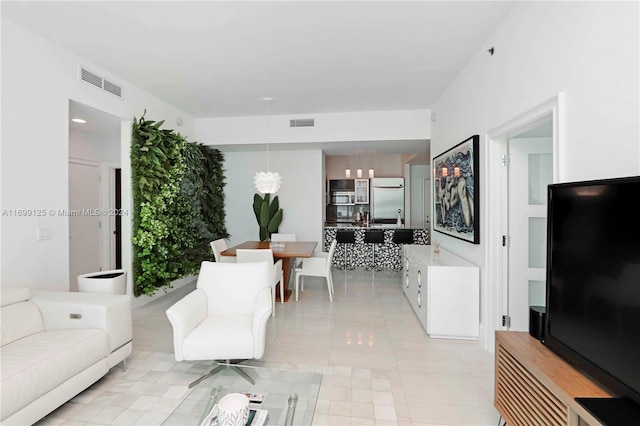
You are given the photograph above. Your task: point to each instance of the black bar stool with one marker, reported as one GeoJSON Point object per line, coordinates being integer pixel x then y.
{"type": "Point", "coordinates": [345, 237]}
{"type": "Point", "coordinates": [403, 236]}
{"type": "Point", "coordinates": [373, 237]}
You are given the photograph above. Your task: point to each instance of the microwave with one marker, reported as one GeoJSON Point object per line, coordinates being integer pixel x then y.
{"type": "Point", "coordinates": [343, 198]}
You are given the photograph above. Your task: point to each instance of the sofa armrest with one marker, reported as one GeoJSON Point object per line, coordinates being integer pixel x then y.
{"type": "Point", "coordinates": [261, 315]}
{"type": "Point", "coordinates": [184, 316]}
{"type": "Point", "coordinates": [69, 310]}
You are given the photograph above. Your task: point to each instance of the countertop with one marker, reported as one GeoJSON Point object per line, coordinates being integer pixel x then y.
{"type": "Point", "coordinates": [370, 226]}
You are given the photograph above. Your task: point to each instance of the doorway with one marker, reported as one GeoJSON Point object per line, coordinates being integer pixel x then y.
{"type": "Point", "coordinates": [426, 205]}
{"type": "Point", "coordinates": [111, 186]}
{"type": "Point", "coordinates": [117, 217]}
{"type": "Point", "coordinates": [530, 170]}
{"type": "Point", "coordinates": [95, 241]}
{"type": "Point", "coordinates": [522, 157]}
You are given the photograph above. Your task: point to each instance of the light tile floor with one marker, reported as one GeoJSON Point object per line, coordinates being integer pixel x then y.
{"type": "Point", "coordinates": [379, 366]}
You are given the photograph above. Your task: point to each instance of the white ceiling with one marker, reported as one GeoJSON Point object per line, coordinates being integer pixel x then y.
{"type": "Point", "coordinates": [221, 58]}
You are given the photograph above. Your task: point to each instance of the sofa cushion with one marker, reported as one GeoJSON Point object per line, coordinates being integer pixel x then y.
{"type": "Point", "coordinates": [35, 364]}
{"type": "Point", "coordinates": [220, 337]}
{"type": "Point", "coordinates": [20, 320]}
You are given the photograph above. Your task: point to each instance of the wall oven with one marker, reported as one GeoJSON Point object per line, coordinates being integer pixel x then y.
{"type": "Point", "coordinates": [343, 198]}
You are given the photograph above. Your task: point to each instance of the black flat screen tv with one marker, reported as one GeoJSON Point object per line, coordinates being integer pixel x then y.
{"type": "Point", "coordinates": [593, 280]}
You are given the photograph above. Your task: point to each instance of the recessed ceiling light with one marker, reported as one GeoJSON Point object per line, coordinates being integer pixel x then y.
{"type": "Point", "coordinates": [79, 120]}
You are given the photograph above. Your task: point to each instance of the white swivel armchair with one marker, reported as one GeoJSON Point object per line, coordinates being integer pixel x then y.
{"type": "Point", "coordinates": [265, 255]}
{"type": "Point", "coordinates": [225, 317]}
{"type": "Point", "coordinates": [218, 246]}
{"type": "Point", "coordinates": [319, 265]}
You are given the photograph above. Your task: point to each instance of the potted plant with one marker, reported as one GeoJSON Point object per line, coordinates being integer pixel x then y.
{"type": "Point", "coordinates": [268, 214]}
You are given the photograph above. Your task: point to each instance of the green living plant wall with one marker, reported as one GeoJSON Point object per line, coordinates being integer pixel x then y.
{"type": "Point", "coordinates": [178, 205]}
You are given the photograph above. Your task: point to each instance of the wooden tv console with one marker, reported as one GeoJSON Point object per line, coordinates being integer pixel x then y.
{"type": "Point", "coordinates": [534, 386]}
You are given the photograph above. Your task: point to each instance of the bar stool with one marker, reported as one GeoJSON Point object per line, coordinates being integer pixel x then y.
{"type": "Point", "coordinates": [374, 237]}
{"type": "Point", "coordinates": [403, 236]}
{"type": "Point", "coordinates": [345, 237]}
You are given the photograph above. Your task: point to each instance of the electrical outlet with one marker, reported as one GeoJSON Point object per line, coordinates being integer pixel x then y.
{"type": "Point", "coordinates": [43, 233]}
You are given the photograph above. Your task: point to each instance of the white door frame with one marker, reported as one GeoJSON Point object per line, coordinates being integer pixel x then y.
{"type": "Point", "coordinates": [107, 204]}
{"type": "Point", "coordinates": [495, 300]}
{"type": "Point", "coordinates": [127, 209]}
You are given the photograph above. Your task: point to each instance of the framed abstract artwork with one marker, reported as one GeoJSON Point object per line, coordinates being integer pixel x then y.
{"type": "Point", "coordinates": [456, 191]}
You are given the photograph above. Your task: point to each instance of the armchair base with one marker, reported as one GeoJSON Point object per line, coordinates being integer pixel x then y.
{"type": "Point", "coordinates": [221, 367]}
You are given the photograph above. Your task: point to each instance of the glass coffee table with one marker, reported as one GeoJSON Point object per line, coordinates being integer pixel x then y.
{"type": "Point", "coordinates": [289, 396]}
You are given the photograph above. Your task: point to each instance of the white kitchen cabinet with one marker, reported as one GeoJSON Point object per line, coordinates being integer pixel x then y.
{"type": "Point", "coordinates": [444, 292]}
{"type": "Point", "coordinates": [362, 191]}
{"type": "Point", "coordinates": [415, 286]}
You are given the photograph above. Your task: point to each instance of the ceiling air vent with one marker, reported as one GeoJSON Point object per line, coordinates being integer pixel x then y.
{"type": "Point", "coordinates": [98, 81]}
{"type": "Point", "coordinates": [303, 122]}
{"type": "Point", "coordinates": [91, 78]}
{"type": "Point", "coordinates": [113, 88]}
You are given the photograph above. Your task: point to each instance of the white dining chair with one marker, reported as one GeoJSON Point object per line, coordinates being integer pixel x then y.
{"type": "Point", "coordinates": [261, 255]}
{"type": "Point", "coordinates": [218, 246]}
{"type": "Point", "coordinates": [319, 265]}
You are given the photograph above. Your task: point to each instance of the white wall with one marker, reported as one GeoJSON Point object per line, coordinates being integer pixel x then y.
{"type": "Point", "coordinates": [300, 197]}
{"type": "Point", "coordinates": [589, 51]}
{"type": "Point", "coordinates": [353, 126]}
{"type": "Point", "coordinates": [38, 80]}
{"type": "Point", "coordinates": [384, 165]}
{"type": "Point", "coordinates": [92, 147]}
{"type": "Point", "coordinates": [419, 172]}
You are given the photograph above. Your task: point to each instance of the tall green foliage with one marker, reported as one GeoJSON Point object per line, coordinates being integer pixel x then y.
{"type": "Point", "coordinates": [268, 214]}
{"type": "Point", "coordinates": [178, 204]}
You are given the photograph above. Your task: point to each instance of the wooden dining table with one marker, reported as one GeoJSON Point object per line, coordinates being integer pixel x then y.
{"type": "Point", "coordinates": [291, 250]}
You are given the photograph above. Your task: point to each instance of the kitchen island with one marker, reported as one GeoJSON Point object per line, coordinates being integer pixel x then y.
{"type": "Point", "coordinates": [388, 255]}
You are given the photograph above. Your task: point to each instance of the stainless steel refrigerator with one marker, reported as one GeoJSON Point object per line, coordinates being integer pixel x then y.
{"type": "Point", "coordinates": [387, 196]}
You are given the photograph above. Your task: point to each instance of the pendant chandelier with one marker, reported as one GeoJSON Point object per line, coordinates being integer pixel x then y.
{"type": "Point", "coordinates": [359, 173]}
{"type": "Point", "coordinates": [267, 182]}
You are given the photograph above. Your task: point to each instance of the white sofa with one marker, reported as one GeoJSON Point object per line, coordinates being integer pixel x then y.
{"type": "Point", "coordinates": [55, 345]}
